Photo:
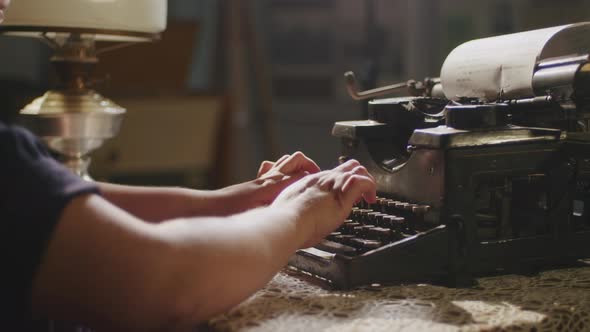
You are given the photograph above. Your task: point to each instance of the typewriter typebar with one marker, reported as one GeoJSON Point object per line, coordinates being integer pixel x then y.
{"type": "Point", "coordinates": [467, 185]}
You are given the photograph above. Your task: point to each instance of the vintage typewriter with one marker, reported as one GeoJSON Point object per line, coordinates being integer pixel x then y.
{"type": "Point", "coordinates": [483, 170]}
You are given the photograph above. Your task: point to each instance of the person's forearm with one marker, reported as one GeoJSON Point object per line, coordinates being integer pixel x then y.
{"type": "Point", "coordinates": [164, 203]}
{"type": "Point", "coordinates": [160, 203]}
{"type": "Point", "coordinates": [221, 262]}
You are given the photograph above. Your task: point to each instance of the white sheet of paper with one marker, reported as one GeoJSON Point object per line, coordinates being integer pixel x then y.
{"type": "Point", "coordinates": [485, 68]}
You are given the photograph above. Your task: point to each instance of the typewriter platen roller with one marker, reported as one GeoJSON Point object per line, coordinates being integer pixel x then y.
{"type": "Point", "coordinates": [476, 173]}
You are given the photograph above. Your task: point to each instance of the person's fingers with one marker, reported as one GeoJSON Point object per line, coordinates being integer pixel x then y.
{"type": "Point", "coordinates": [298, 162]}
{"type": "Point", "coordinates": [268, 165]}
{"type": "Point", "coordinates": [358, 186]}
{"type": "Point", "coordinates": [361, 170]}
{"type": "Point", "coordinates": [3, 5]}
{"type": "Point", "coordinates": [349, 165]}
{"type": "Point", "coordinates": [328, 182]}
{"type": "Point", "coordinates": [343, 176]}
{"type": "Point", "coordinates": [341, 179]}
{"type": "Point", "coordinates": [287, 181]}
{"type": "Point", "coordinates": [281, 160]}
{"type": "Point", "coordinates": [265, 166]}
{"type": "Point", "coordinates": [309, 165]}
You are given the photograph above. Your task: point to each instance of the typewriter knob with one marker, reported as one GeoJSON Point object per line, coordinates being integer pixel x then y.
{"type": "Point", "coordinates": [476, 116]}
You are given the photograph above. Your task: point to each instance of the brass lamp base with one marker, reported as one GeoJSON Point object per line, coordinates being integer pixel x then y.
{"type": "Point", "coordinates": [72, 124]}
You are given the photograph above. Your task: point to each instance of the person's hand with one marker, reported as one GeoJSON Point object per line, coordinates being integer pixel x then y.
{"type": "Point", "coordinates": [323, 200]}
{"type": "Point", "coordinates": [3, 5]}
{"type": "Point", "coordinates": [288, 165]}
{"type": "Point", "coordinates": [272, 178]}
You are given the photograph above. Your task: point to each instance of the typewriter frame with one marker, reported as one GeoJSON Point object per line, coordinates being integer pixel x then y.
{"type": "Point", "coordinates": [446, 168]}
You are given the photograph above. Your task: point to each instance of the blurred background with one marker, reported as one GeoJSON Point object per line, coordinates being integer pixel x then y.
{"type": "Point", "coordinates": [232, 83]}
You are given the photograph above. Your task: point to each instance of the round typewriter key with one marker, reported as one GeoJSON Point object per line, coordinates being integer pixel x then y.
{"type": "Point", "coordinates": [379, 219]}
{"type": "Point", "coordinates": [364, 214]}
{"type": "Point", "coordinates": [372, 244]}
{"type": "Point", "coordinates": [365, 231]}
{"type": "Point", "coordinates": [355, 214]}
{"type": "Point", "coordinates": [333, 235]}
{"type": "Point", "coordinates": [358, 230]}
{"type": "Point", "coordinates": [392, 206]}
{"type": "Point", "coordinates": [421, 209]}
{"type": "Point", "coordinates": [401, 205]}
{"type": "Point", "coordinates": [364, 244]}
{"type": "Point", "coordinates": [384, 205]}
{"type": "Point", "coordinates": [386, 220]}
{"type": "Point", "coordinates": [380, 233]}
{"type": "Point", "coordinates": [348, 228]}
{"type": "Point", "coordinates": [409, 206]}
{"type": "Point", "coordinates": [343, 238]}
{"type": "Point", "coordinates": [381, 204]}
{"type": "Point", "coordinates": [398, 223]}
{"type": "Point", "coordinates": [351, 214]}
{"type": "Point", "coordinates": [345, 224]}
{"type": "Point", "coordinates": [336, 247]}
{"type": "Point", "coordinates": [392, 203]}
{"type": "Point", "coordinates": [372, 216]}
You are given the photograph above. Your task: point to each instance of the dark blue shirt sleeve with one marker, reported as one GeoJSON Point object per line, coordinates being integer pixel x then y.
{"type": "Point", "coordinates": [34, 190]}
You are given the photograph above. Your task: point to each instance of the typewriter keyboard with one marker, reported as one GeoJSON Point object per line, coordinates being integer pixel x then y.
{"type": "Point", "coordinates": [370, 226]}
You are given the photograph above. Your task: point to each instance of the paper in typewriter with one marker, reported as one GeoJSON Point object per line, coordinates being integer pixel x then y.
{"type": "Point", "coordinates": [504, 65]}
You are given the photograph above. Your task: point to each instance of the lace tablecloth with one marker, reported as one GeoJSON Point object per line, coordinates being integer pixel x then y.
{"type": "Point", "coordinates": [556, 300]}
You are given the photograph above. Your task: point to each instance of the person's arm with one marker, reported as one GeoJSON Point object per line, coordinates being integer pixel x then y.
{"type": "Point", "coordinates": [158, 203]}
{"type": "Point", "coordinates": [106, 268]}
{"type": "Point", "coordinates": [3, 5]}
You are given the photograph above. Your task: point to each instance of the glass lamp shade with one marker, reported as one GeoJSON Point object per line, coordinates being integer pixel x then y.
{"type": "Point", "coordinates": [105, 20]}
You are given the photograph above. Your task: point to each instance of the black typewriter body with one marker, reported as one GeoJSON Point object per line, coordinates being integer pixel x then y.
{"type": "Point", "coordinates": [465, 188]}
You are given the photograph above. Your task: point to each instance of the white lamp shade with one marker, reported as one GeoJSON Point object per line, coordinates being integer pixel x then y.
{"type": "Point", "coordinates": [106, 19]}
